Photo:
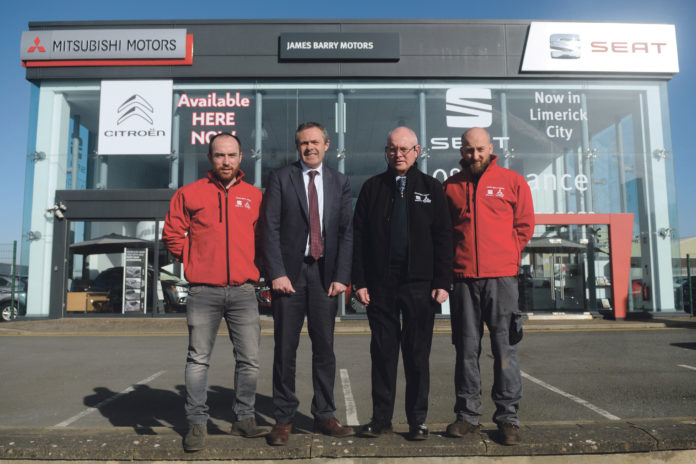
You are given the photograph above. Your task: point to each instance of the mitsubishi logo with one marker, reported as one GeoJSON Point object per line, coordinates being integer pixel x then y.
{"type": "Point", "coordinates": [135, 105]}
{"type": "Point", "coordinates": [36, 46]}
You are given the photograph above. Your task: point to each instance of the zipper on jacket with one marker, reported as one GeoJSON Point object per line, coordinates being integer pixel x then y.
{"type": "Point", "coordinates": [476, 230]}
{"type": "Point", "coordinates": [227, 237]}
{"type": "Point", "coordinates": [468, 200]}
{"type": "Point", "coordinates": [220, 206]}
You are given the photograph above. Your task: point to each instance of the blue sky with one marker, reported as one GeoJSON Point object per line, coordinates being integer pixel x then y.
{"type": "Point", "coordinates": [15, 89]}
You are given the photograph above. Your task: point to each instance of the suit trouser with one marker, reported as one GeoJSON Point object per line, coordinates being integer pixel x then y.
{"type": "Point", "coordinates": [493, 301]}
{"type": "Point", "coordinates": [388, 304]}
{"type": "Point", "coordinates": [289, 311]}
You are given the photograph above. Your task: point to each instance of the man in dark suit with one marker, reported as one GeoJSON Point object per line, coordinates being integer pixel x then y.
{"type": "Point", "coordinates": [306, 250]}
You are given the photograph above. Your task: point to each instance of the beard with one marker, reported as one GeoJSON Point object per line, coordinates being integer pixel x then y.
{"type": "Point", "coordinates": [223, 177]}
{"type": "Point", "coordinates": [476, 168]}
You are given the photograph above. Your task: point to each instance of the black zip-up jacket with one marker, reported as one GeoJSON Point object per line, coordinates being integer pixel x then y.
{"type": "Point", "coordinates": [429, 230]}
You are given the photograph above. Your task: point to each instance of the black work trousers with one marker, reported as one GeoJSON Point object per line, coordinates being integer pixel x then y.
{"type": "Point", "coordinates": [401, 315]}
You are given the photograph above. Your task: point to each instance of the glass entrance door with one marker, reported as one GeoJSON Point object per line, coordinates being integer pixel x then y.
{"type": "Point", "coordinates": [555, 282]}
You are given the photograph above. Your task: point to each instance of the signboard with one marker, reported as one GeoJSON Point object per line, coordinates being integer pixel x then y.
{"type": "Point", "coordinates": [135, 280]}
{"type": "Point", "coordinates": [339, 46]}
{"type": "Point", "coordinates": [601, 47]}
{"type": "Point", "coordinates": [103, 44]}
{"type": "Point", "coordinates": [205, 114]}
{"type": "Point", "coordinates": [135, 118]}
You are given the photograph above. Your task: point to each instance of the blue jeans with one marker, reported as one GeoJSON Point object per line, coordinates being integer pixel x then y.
{"type": "Point", "coordinates": [205, 307]}
{"type": "Point", "coordinates": [493, 301]}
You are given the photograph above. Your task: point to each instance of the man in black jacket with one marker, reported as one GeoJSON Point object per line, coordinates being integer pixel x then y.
{"type": "Point", "coordinates": [402, 268]}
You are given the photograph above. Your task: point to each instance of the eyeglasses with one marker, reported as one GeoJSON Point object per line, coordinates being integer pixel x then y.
{"type": "Point", "coordinates": [403, 150]}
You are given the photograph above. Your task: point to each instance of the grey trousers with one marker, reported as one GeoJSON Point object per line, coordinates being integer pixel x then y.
{"type": "Point", "coordinates": [493, 301]}
{"type": "Point", "coordinates": [205, 308]}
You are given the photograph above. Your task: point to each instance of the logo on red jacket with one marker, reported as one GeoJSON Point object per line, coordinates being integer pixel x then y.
{"type": "Point", "coordinates": [495, 191]}
{"type": "Point", "coordinates": [241, 202]}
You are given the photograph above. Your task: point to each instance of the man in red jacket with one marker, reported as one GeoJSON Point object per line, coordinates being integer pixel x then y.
{"type": "Point", "coordinates": [492, 219]}
{"type": "Point", "coordinates": [210, 227]}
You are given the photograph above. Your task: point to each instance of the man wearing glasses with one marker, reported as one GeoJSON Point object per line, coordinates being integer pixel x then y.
{"type": "Point", "coordinates": [402, 258]}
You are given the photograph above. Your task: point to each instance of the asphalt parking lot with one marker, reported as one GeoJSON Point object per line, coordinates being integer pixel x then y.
{"type": "Point", "coordinates": [87, 379]}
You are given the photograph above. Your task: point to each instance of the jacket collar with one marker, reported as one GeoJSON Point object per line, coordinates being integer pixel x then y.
{"type": "Point", "coordinates": [214, 180]}
{"type": "Point", "coordinates": [392, 174]}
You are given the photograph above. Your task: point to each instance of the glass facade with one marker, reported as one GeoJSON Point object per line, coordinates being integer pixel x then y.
{"type": "Point", "coordinates": [584, 147]}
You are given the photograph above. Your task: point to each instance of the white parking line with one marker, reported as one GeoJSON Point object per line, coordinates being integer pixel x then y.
{"type": "Point", "coordinates": [87, 411]}
{"type": "Point", "coordinates": [685, 366]}
{"type": "Point", "coordinates": [351, 409]}
{"type": "Point", "coordinates": [587, 404]}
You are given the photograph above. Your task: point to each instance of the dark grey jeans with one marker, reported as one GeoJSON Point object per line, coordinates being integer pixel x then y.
{"type": "Point", "coordinates": [493, 301]}
{"type": "Point", "coordinates": [205, 307]}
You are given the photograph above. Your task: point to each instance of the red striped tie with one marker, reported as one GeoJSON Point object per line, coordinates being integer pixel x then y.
{"type": "Point", "coordinates": [314, 225]}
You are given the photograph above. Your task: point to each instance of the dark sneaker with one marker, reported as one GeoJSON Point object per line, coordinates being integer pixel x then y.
{"type": "Point", "coordinates": [332, 428]}
{"type": "Point", "coordinates": [375, 429]}
{"type": "Point", "coordinates": [247, 428]}
{"type": "Point", "coordinates": [195, 438]}
{"type": "Point", "coordinates": [460, 427]}
{"type": "Point", "coordinates": [509, 433]}
{"type": "Point", "coordinates": [417, 432]}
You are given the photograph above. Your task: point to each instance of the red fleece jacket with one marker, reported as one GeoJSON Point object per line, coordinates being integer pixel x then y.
{"type": "Point", "coordinates": [211, 230]}
{"type": "Point", "coordinates": [492, 220]}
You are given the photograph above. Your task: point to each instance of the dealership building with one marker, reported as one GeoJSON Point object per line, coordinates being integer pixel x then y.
{"type": "Point", "coordinates": [121, 112]}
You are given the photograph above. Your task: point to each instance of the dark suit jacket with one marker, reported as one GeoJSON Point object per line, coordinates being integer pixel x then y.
{"type": "Point", "coordinates": [285, 225]}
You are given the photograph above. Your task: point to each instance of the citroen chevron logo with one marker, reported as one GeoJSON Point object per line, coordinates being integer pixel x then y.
{"type": "Point", "coordinates": [565, 46]}
{"type": "Point", "coordinates": [36, 46]}
{"type": "Point", "coordinates": [135, 105]}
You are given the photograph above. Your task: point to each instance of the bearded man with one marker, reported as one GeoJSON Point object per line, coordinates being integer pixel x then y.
{"type": "Point", "coordinates": [492, 219]}
{"type": "Point", "coordinates": [210, 228]}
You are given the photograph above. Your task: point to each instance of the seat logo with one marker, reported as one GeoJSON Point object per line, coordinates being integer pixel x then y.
{"type": "Point", "coordinates": [37, 46]}
{"type": "Point", "coordinates": [135, 105]}
{"type": "Point", "coordinates": [564, 46]}
{"type": "Point", "coordinates": [467, 111]}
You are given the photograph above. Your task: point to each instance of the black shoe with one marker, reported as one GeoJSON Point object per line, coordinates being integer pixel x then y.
{"type": "Point", "coordinates": [195, 438]}
{"type": "Point", "coordinates": [417, 432]}
{"type": "Point", "coordinates": [459, 428]}
{"type": "Point", "coordinates": [375, 429]}
{"type": "Point", "coordinates": [509, 433]}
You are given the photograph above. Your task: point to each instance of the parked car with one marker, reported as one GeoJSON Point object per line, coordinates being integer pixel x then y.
{"type": "Point", "coordinates": [20, 299]}
{"type": "Point", "coordinates": [175, 290]}
{"type": "Point", "coordinates": [6, 283]}
{"type": "Point", "coordinates": [20, 305]}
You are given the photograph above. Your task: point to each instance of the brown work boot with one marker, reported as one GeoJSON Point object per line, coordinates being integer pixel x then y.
{"type": "Point", "coordinates": [280, 433]}
{"type": "Point", "coordinates": [459, 428]}
{"type": "Point", "coordinates": [509, 433]}
{"type": "Point", "coordinates": [332, 428]}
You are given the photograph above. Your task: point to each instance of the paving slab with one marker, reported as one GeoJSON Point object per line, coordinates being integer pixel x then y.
{"type": "Point", "coordinates": [130, 326]}
{"type": "Point", "coordinates": [162, 444]}
{"type": "Point", "coordinates": [670, 435]}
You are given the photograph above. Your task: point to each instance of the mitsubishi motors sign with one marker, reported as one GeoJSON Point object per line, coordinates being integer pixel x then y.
{"type": "Point", "coordinates": [601, 47]}
{"type": "Point", "coordinates": [106, 47]}
{"type": "Point", "coordinates": [135, 118]}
